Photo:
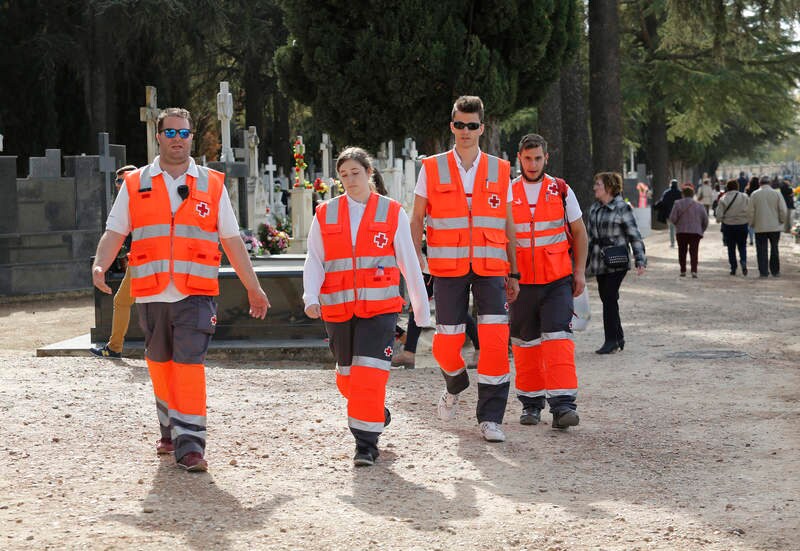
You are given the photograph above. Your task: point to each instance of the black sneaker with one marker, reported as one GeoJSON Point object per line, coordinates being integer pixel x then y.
{"type": "Point", "coordinates": [565, 419]}
{"type": "Point", "coordinates": [530, 416]}
{"type": "Point", "coordinates": [364, 458]}
{"type": "Point", "coordinates": [105, 352]}
{"type": "Point", "coordinates": [387, 417]}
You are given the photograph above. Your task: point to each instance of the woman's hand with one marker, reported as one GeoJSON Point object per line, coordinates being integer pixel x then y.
{"type": "Point", "coordinates": [313, 311]}
{"type": "Point", "coordinates": [640, 270]}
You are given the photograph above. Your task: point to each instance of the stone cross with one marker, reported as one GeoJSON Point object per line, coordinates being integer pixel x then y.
{"type": "Point", "coordinates": [149, 114]}
{"type": "Point", "coordinates": [326, 147]}
{"type": "Point", "coordinates": [271, 168]}
{"type": "Point", "coordinates": [410, 149]}
{"type": "Point", "coordinates": [108, 167]}
{"type": "Point", "coordinates": [225, 114]}
{"type": "Point", "coordinates": [1, 142]}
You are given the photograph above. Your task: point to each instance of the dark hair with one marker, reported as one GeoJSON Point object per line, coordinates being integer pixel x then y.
{"type": "Point", "coordinates": [732, 185]}
{"type": "Point", "coordinates": [765, 180]}
{"type": "Point", "coordinates": [377, 182]}
{"type": "Point", "coordinates": [357, 154]}
{"type": "Point", "coordinates": [688, 191]}
{"type": "Point", "coordinates": [124, 169]}
{"type": "Point", "coordinates": [612, 181]}
{"type": "Point", "coordinates": [468, 104]}
{"type": "Point", "coordinates": [179, 112]}
{"type": "Point", "coordinates": [532, 141]}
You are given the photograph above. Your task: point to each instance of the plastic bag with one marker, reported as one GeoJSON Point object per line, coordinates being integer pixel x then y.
{"type": "Point", "coordinates": [581, 311]}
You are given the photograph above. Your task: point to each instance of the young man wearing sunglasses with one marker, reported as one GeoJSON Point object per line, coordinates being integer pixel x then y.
{"type": "Point", "coordinates": [466, 197]}
{"type": "Point", "coordinates": [123, 300]}
{"type": "Point", "coordinates": [177, 213]}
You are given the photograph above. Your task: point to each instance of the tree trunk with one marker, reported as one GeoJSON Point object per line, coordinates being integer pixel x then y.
{"type": "Point", "coordinates": [550, 128]}
{"type": "Point", "coordinates": [605, 100]}
{"type": "Point", "coordinates": [254, 101]}
{"type": "Point", "coordinates": [575, 125]}
{"type": "Point", "coordinates": [490, 141]}
{"type": "Point", "coordinates": [280, 142]}
{"type": "Point", "coordinates": [99, 86]}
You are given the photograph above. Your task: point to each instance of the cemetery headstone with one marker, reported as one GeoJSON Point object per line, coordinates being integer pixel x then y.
{"type": "Point", "coordinates": [149, 114]}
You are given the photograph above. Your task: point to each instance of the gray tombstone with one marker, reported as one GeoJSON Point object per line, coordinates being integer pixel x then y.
{"type": "Point", "coordinates": [48, 166]}
{"type": "Point", "coordinates": [8, 191]}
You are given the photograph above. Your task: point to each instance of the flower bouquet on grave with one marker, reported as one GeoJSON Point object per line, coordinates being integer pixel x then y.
{"type": "Point", "coordinates": [321, 187]}
{"type": "Point", "coordinates": [298, 152]}
{"type": "Point", "coordinates": [273, 240]}
{"type": "Point", "coordinates": [251, 242]}
{"type": "Point", "coordinates": [283, 224]}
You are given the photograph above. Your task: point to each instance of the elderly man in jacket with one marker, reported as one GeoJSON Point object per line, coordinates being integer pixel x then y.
{"type": "Point", "coordinates": [767, 213]}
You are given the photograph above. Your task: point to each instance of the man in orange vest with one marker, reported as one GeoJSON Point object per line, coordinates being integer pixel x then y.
{"type": "Point", "coordinates": [177, 214]}
{"type": "Point", "coordinates": [466, 197]}
{"type": "Point", "coordinates": [546, 215]}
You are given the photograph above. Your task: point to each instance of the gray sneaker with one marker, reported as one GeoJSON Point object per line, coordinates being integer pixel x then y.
{"type": "Point", "coordinates": [448, 404]}
{"type": "Point", "coordinates": [565, 419]}
{"type": "Point", "coordinates": [530, 416]}
{"type": "Point", "coordinates": [491, 432]}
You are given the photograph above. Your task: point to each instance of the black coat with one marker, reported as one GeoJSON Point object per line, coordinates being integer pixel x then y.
{"type": "Point", "coordinates": [664, 205]}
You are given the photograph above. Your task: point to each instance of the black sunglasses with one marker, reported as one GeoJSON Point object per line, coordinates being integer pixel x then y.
{"type": "Point", "coordinates": [119, 181]}
{"type": "Point", "coordinates": [170, 133]}
{"type": "Point", "coordinates": [458, 125]}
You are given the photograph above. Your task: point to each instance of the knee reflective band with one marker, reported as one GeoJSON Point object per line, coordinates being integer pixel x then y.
{"type": "Point", "coordinates": [447, 350]}
{"type": "Point", "coordinates": [558, 355]}
{"type": "Point", "coordinates": [493, 366]}
{"type": "Point", "coordinates": [530, 379]}
{"type": "Point", "coordinates": [460, 237]}
{"type": "Point", "coordinates": [367, 396]}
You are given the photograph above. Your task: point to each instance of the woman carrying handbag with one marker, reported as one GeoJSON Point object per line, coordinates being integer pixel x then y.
{"type": "Point", "coordinates": [612, 233]}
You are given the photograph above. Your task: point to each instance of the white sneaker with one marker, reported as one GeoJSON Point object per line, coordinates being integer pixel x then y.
{"type": "Point", "coordinates": [448, 403]}
{"type": "Point", "coordinates": [491, 432]}
{"type": "Point", "coordinates": [472, 362]}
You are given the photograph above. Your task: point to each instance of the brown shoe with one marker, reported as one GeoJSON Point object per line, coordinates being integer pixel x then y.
{"type": "Point", "coordinates": [404, 359]}
{"type": "Point", "coordinates": [164, 446]}
{"type": "Point", "coordinates": [193, 462]}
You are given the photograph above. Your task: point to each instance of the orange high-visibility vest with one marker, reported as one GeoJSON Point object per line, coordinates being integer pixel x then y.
{"type": "Point", "coordinates": [457, 235]}
{"type": "Point", "coordinates": [185, 246]}
{"type": "Point", "coordinates": [364, 280]}
{"type": "Point", "coordinates": [542, 243]}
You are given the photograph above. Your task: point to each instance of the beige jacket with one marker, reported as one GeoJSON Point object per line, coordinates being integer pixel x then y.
{"type": "Point", "coordinates": [705, 195]}
{"type": "Point", "coordinates": [732, 208]}
{"type": "Point", "coordinates": [767, 210]}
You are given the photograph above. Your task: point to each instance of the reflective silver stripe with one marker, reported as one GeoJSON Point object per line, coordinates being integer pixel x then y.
{"type": "Point", "coordinates": [451, 329]}
{"type": "Point", "coordinates": [447, 252]}
{"type": "Point", "coordinates": [193, 232]}
{"type": "Point", "coordinates": [365, 425]}
{"type": "Point", "coordinates": [365, 262]}
{"type": "Point", "coordinates": [522, 228]}
{"type": "Point", "coordinates": [525, 344]}
{"type": "Point", "coordinates": [550, 239]}
{"type": "Point", "coordinates": [548, 225]}
{"type": "Point", "coordinates": [556, 335]}
{"type": "Point", "coordinates": [534, 394]}
{"type": "Point", "coordinates": [338, 265]}
{"type": "Point", "coordinates": [493, 168]}
{"type": "Point", "coordinates": [491, 222]}
{"type": "Point", "coordinates": [366, 361]}
{"type": "Point", "coordinates": [200, 270]}
{"type": "Point", "coordinates": [162, 408]}
{"type": "Point", "coordinates": [202, 179]}
{"type": "Point", "coordinates": [178, 430]}
{"type": "Point", "coordinates": [343, 370]}
{"type": "Point", "coordinates": [524, 243]}
{"type": "Point", "coordinates": [332, 210]}
{"type": "Point", "coordinates": [455, 223]}
{"type": "Point", "coordinates": [382, 211]}
{"type": "Point", "coordinates": [493, 379]}
{"type": "Point", "coordinates": [444, 168]}
{"type": "Point", "coordinates": [563, 392]}
{"type": "Point", "coordinates": [496, 319]}
{"type": "Point", "coordinates": [378, 293]}
{"type": "Point", "coordinates": [339, 297]}
{"type": "Point", "coordinates": [153, 230]}
{"type": "Point", "coordinates": [455, 373]}
{"type": "Point", "coordinates": [188, 418]}
{"type": "Point", "coordinates": [150, 268]}
{"type": "Point", "coordinates": [145, 180]}
{"type": "Point", "coordinates": [488, 252]}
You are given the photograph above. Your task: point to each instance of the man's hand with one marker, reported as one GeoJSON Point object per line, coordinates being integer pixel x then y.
{"type": "Point", "coordinates": [313, 311]}
{"type": "Point", "coordinates": [99, 279]}
{"type": "Point", "coordinates": [512, 289]}
{"type": "Point", "coordinates": [259, 303]}
{"type": "Point", "coordinates": [640, 270]}
{"type": "Point", "coordinates": [578, 283]}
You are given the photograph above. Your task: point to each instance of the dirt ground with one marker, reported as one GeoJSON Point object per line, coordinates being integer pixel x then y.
{"type": "Point", "coordinates": [688, 440]}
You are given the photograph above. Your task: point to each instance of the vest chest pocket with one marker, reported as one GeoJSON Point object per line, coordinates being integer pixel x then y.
{"type": "Point", "coordinates": [144, 267]}
{"type": "Point", "coordinates": [496, 256]}
{"type": "Point", "coordinates": [203, 269]}
{"type": "Point", "coordinates": [556, 261]}
{"type": "Point", "coordinates": [445, 249]}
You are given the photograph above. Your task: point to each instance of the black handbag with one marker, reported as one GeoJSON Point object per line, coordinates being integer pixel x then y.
{"type": "Point", "coordinates": [616, 256]}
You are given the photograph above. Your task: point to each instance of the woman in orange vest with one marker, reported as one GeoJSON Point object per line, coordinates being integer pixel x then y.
{"type": "Point", "coordinates": [358, 245]}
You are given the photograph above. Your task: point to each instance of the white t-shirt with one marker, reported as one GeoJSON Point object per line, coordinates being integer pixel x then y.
{"type": "Point", "coordinates": [532, 193]}
{"type": "Point", "coordinates": [314, 271]}
{"type": "Point", "coordinates": [119, 219]}
{"type": "Point", "coordinates": [467, 179]}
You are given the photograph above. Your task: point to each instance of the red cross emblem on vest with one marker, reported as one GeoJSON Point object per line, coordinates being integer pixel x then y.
{"type": "Point", "coordinates": [213, 320]}
{"type": "Point", "coordinates": [552, 188]}
{"type": "Point", "coordinates": [202, 209]}
{"type": "Point", "coordinates": [380, 240]}
{"type": "Point", "coordinates": [494, 201]}
{"type": "Point", "coordinates": [388, 351]}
